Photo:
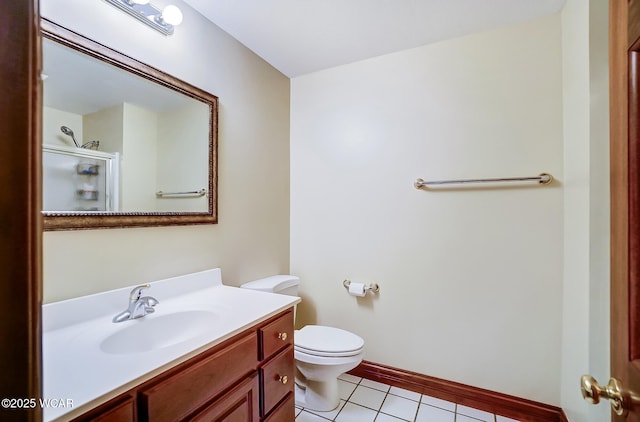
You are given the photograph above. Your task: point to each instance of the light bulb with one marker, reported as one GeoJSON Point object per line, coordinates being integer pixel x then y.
{"type": "Point", "coordinates": [172, 15]}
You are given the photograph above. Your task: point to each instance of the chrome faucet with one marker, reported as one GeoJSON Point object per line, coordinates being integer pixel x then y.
{"type": "Point", "coordinates": [139, 305]}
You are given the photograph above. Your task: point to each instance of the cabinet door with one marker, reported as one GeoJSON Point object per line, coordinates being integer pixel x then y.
{"type": "Point", "coordinates": [238, 405]}
{"type": "Point", "coordinates": [120, 409]}
{"type": "Point", "coordinates": [285, 412]}
{"type": "Point", "coordinates": [174, 397]}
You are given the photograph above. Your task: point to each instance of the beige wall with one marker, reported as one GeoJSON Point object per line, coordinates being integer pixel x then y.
{"type": "Point", "coordinates": [585, 345]}
{"type": "Point", "coordinates": [471, 280]}
{"type": "Point", "coordinates": [252, 237]}
{"type": "Point", "coordinates": [139, 160]}
{"type": "Point", "coordinates": [53, 119]}
{"type": "Point", "coordinates": [106, 126]}
{"type": "Point", "coordinates": [182, 166]}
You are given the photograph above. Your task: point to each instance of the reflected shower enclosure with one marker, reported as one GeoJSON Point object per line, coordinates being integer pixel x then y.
{"type": "Point", "coordinates": [79, 179]}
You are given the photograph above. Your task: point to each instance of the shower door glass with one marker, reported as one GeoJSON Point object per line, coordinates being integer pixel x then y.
{"type": "Point", "coordinates": [79, 180]}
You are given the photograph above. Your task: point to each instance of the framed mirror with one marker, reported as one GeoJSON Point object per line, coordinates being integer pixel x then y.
{"type": "Point", "coordinates": [124, 144]}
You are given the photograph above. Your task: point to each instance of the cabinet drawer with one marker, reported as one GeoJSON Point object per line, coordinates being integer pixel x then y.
{"type": "Point", "coordinates": [174, 397]}
{"type": "Point", "coordinates": [276, 335]}
{"type": "Point", "coordinates": [238, 405]}
{"type": "Point", "coordinates": [277, 379]}
{"type": "Point", "coordinates": [285, 412]}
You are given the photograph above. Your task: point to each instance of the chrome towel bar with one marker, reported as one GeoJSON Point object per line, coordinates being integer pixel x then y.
{"type": "Point", "coordinates": [542, 178]}
{"type": "Point", "coordinates": [161, 194]}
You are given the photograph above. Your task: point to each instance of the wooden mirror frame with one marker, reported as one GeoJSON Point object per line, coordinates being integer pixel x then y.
{"type": "Point", "coordinates": [62, 220]}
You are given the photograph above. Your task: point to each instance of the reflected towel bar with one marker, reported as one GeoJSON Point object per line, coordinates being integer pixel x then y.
{"type": "Point", "coordinates": [201, 192]}
{"type": "Point", "coordinates": [542, 178]}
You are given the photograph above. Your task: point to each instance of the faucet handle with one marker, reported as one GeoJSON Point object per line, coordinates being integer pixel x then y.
{"type": "Point", "coordinates": [149, 301]}
{"type": "Point", "coordinates": [137, 291]}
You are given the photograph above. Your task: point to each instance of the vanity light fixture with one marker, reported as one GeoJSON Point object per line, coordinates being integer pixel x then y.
{"type": "Point", "coordinates": [162, 21]}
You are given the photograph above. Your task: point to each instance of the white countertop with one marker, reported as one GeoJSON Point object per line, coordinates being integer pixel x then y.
{"type": "Point", "coordinates": [76, 368]}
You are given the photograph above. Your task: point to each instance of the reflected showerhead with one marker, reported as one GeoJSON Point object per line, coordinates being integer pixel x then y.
{"type": "Point", "coordinates": [91, 145]}
{"type": "Point", "coordinates": [69, 132]}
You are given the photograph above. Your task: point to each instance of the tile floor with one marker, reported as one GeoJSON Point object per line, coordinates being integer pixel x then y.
{"type": "Point", "coordinates": [363, 400]}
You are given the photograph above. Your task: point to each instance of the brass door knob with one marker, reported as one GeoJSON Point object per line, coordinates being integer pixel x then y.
{"type": "Point", "coordinates": [282, 336]}
{"type": "Point", "coordinates": [592, 392]}
{"type": "Point", "coordinates": [283, 379]}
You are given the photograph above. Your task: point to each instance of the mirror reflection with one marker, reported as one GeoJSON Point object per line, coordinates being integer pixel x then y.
{"type": "Point", "coordinates": [117, 141]}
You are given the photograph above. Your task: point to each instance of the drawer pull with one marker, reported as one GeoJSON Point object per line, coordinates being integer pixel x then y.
{"type": "Point", "coordinates": [282, 336]}
{"type": "Point", "coordinates": [283, 379]}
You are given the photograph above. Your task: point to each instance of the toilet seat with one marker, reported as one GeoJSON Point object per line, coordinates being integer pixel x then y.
{"type": "Point", "coordinates": [319, 340]}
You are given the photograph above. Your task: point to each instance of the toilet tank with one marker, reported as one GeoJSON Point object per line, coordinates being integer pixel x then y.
{"type": "Point", "coordinates": [282, 284]}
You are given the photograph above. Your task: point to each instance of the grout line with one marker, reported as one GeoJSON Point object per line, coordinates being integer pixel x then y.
{"type": "Point", "coordinates": [387, 393]}
{"type": "Point", "coordinates": [403, 397]}
{"type": "Point", "coordinates": [415, 416]}
{"type": "Point", "coordinates": [382, 403]}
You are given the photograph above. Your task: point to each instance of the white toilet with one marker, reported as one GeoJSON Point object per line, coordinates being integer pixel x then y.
{"type": "Point", "coordinates": [321, 353]}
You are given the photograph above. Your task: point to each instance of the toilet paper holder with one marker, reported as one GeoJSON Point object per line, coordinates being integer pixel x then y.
{"type": "Point", "coordinates": [370, 287]}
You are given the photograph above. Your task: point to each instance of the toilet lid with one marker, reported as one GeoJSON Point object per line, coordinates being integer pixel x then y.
{"type": "Point", "coordinates": [319, 340]}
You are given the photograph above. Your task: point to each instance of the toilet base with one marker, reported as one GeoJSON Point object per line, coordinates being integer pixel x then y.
{"type": "Point", "coordinates": [321, 396]}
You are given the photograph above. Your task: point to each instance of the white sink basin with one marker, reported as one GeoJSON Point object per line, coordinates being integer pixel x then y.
{"type": "Point", "coordinates": [196, 312]}
{"type": "Point", "coordinates": [155, 332]}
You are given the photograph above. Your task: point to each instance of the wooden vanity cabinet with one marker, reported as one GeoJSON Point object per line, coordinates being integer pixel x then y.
{"type": "Point", "coordinates": [247, 378]}
{"type": "Point", "coordinates": [240, 404]}
{"type": "Point", "coordinates": [284, 412]}
{"type": "Point", "coordinates": [120, 409]}
{"type": "Point", "coordinates": [277, 368]}
{"type": "Point", "coordinates": [181, 391]}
